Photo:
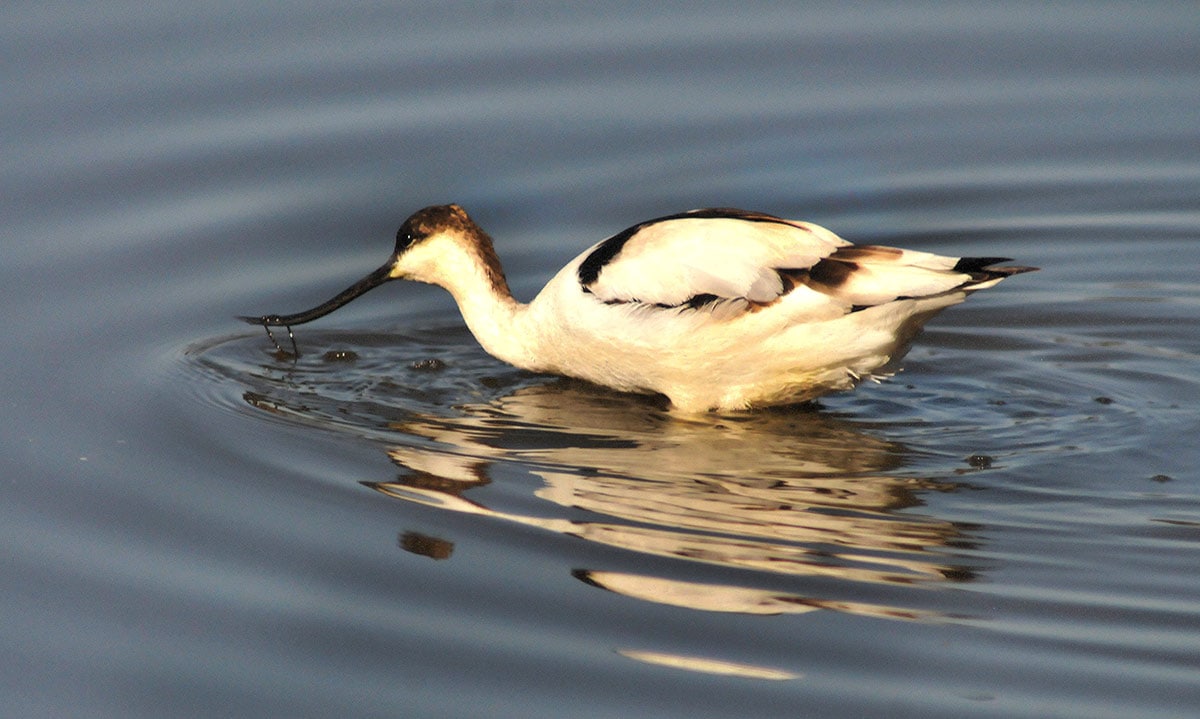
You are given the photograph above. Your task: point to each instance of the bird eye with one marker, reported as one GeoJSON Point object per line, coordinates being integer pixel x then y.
{"type": "Point", "coordinates": [406, 237]}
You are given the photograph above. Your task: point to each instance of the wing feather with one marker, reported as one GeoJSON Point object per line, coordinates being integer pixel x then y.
{"type": "Point", "coordinates": [731, 255]}
{"type": "Point", "coordinates": [730, 262]}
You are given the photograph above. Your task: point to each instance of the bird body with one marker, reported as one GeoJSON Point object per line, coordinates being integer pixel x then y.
{"type": "Point", "coordinates": [717, 309]}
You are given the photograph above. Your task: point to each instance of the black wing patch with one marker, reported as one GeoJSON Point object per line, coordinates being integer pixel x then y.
{"type": "Point", "coordinates": [607, 251]}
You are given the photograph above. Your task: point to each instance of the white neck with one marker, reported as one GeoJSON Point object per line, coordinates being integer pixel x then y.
{"type": "Point", "coordinates": [500, 323]}
{"type": "Point", "coordinates": [472, 275]}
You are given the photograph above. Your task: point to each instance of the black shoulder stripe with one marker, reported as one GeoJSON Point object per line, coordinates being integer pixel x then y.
{"type": "Point", "coordinates": [589, 269]}
{"type": "Point", "coordinates": [731, 213]}
{"type": "Point", "coordinates": [607, 251]}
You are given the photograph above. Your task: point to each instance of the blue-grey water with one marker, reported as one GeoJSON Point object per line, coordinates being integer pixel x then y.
{"type": "Point", "coordinates": [397, 525]}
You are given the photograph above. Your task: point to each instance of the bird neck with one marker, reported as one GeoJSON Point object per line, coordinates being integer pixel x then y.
{"type": "Point", "coordinates": [502, 325]}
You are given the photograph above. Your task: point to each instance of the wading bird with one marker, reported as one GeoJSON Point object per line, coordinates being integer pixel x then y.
{"type": "Point", "coordinates": [718, 309]}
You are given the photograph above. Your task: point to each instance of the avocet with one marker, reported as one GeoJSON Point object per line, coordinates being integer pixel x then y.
{"type": "Point", "coordinates": [718, 309]}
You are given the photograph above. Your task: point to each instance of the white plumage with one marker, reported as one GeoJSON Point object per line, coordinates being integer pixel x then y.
{"type": "Point", "coordinates": [716, 309]}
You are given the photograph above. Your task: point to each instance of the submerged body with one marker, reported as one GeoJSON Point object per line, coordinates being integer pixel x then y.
{"type": "Point", "coordinates": [716, 309]}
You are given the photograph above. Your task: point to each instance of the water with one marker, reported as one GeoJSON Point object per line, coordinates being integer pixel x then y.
{"type": "Point", "coordinates": [397, 525]}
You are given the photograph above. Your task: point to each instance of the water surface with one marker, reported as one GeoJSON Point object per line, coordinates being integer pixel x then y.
{"type": "Point", "coordinates": [396, 524]}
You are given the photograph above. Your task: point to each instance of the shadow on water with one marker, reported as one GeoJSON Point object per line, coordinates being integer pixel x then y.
{"type": "Point", "coordinates": [774, 499]}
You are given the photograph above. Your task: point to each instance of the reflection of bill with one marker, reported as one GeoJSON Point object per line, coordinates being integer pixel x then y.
{"type": "Point", "coordinates": [796, 494]}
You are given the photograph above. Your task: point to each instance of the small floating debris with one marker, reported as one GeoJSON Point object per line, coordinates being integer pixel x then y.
{"type": "Point", "coordinates": [430, 364]}
{"type": "Point", "coordinates": [340, 356]}
{"type": "Point", "coordinates": [980, 461]}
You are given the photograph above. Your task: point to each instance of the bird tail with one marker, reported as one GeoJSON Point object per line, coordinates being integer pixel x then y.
{"type": "Point", "coordinates": [983, 275]}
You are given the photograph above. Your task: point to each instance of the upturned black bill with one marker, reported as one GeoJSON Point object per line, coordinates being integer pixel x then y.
{"type": "Point", "coordinates": [370, 282]}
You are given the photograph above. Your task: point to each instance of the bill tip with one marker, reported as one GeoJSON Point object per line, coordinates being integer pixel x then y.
{"type": "Point", "coordinates": [263, 320]}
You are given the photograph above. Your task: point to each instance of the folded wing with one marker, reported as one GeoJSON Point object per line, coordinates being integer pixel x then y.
{"type": "Point", "coordinates": [729, 262]}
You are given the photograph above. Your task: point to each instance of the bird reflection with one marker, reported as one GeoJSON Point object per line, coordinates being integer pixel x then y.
{"type": "Point", "coordinates": [426, 545]}
{"type": "Point", "coordinates": [790, 493]}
